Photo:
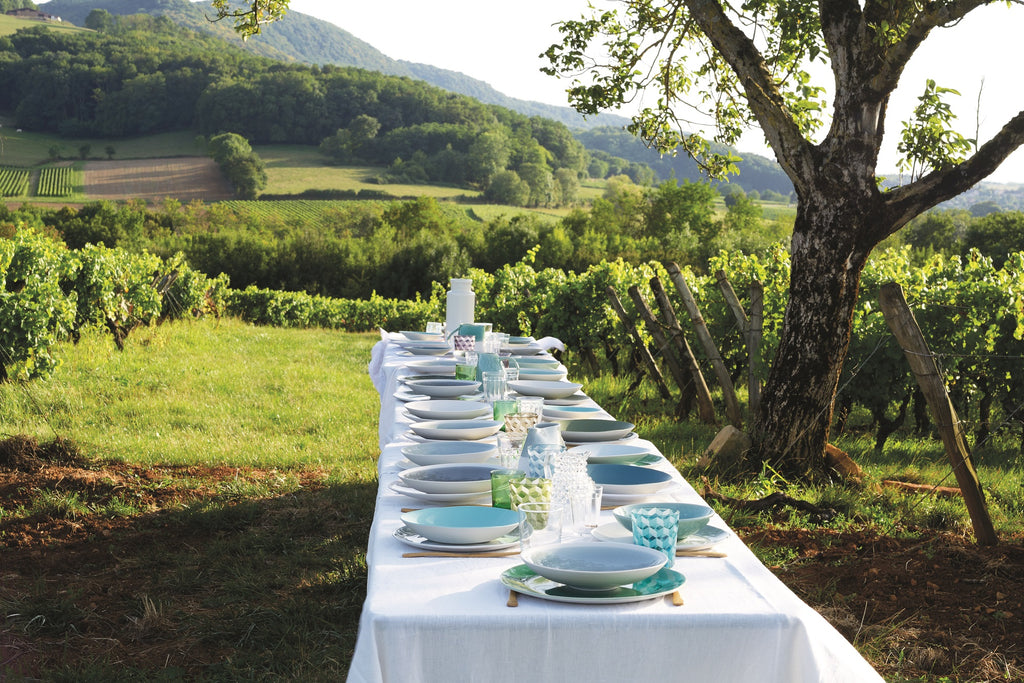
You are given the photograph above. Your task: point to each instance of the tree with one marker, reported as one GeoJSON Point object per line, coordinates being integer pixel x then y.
{"type": "Point", "coordinates": [749, 64]}
{"type": "Point", "coordinates": [110, 150]}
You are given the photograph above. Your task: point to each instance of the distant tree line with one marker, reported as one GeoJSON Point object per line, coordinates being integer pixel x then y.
{"type": "Point", "coordinates": [140, 74]}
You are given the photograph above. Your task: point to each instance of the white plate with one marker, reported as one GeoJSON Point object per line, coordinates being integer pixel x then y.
{"type": "Point", "coordinates": [595, 429]}
{"type": "Point", "coordinates": [441, 367]}
{"type": "Point", "coordinates": [542, 375]}
{"type": "Point", "coordinates": [462, 477]}
{"type": "Point", "coordinates": [627, 498]}
{"type": "Point", "coordinates": [529, 349]}
{"type": "Point", "coordinates": [472, 430]}
{"type": "Point", "coordinates": [404, 395]}
{"type": "Point", "coordinates": [426, 351]}
{"type": "Point", "coordinates": [548, 390]}
{"type": "Point", "coordinates": [455, 498]}
{"type": "Point", "coordinates": [523, 580]}
{"type": "Point", "coordinates": [422, 336]}
{"type": "Point", "coordinates": [448, 410]}
{"type": "Point", "coordinates": [706, 538]}
{"type": "Point", "coordinates": [411, 538]}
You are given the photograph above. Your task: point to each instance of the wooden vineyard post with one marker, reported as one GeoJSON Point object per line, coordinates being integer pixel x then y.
{"type": "Point", "coordinates": [638, 342]}
{"type": "Point", "coordinates": [732, 406]}
{"type": "Point", "coordinates": [754, 346]}
{"type": "Point", "coordinates": [654, 327]}
{"type": "Point", "coordinates": [705, 407]}
{"type": "Point", "coordinates": [752, 330]}
{"type": "Point", "coordinates": [901, 321]}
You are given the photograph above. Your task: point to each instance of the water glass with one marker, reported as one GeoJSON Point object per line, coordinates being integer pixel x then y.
{"type": "Point", "coordinates": [539, 459]}
{"type": "Point", "coordinates": [435, 328]}
{"type": "Point", "coordinates": [518, 423]}
{"type": "Point", "coordinates": [465, 366]}
{"type": "Point", "coordinates": [503, 407]}
{"type": "Point", "coordinates": [656, 528]}
{"type": "Point", "coordinates": [531, 404]}
{"type": "Point", "coordinates": [508, 451]}
{"type": "Point", "coordinates": [529, 490]}
{"type": "Point", "coordinates": [494, 386]}
{"type": "Point", "coordinates": [540, 524]}
{"type": "Point", "coordinates": [585, 503]}
{"type": "Point", "coordinates": [500, 496]}
{"type": "Point", "coordinates": [512, 373]}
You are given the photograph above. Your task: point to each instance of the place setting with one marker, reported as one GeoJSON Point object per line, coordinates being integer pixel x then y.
{"type": "Point", "coordinates": [695, 535]}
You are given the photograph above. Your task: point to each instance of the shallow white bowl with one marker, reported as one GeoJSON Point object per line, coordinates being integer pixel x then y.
{"type": "Point", "coordinates": [423, 336]}
{"type": "Point", "coordinates": [448, 452]}
{"type": "Point", "coordinates": [461, 524]}
{"type": "Point", "coordinates": [543, 374]}
{"type": "Point", "coordinates": [442, 387]}
{"type": "Point", "coordinates": [441, 409]}
{"type": "Point", "coordinates": [692, 516]}
{"type": "Point", "coordinates": [459, 430]}
{"type": "Point", "coordinates": [556, 389]}
{"type": "Point", "coordinates": [595, 429]}
{"type": "Point", "coordinates": [594, 566]}
{"type": "Point", "coordinates": [427, 350]}
{"type": "Point", "coordinates": [449, 478]}
{"type": "Point", "coordinates": [628, 479]}
{"type": "Point", "coordinates": [571, 412]}
{"type": "Point", "coordinates": [432, 366]}
{"type": "Point", "coordinates": [536, 362]}
{"type": "Point", "coordinates": [613, 453]}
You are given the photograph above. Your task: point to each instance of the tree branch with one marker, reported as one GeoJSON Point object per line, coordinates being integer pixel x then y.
{"type": "Point", "coordinates": [905, 202]}
{"type": "Point", "coordinates": [792, 150]}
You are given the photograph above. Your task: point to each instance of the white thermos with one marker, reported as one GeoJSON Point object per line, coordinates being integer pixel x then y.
{"type": "Point", "coordinates": [460, 304]}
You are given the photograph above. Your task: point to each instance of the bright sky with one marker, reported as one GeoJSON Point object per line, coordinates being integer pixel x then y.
{"type": "Point", "coordinates": [499, 43]}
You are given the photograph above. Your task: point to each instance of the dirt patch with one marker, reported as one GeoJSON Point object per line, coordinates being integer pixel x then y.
{"type": "Point", "coordinates": [919, 609]}
{"type": "Point", "coordinates": [184, 178]}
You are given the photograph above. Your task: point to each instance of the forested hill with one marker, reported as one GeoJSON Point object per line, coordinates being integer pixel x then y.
{"type": "Point", "coordinates": [306, 39]}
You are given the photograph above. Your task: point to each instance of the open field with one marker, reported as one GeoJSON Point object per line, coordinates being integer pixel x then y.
{"type": "Point", "coordinates": [206, 514]}
{"type": "Point", "coordinates": [9, 25]}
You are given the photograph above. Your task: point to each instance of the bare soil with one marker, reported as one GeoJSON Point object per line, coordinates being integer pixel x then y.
{"type": "Point", "coordinates": [182, 178]}
{"type": "Point", "coordinates": [941, 608]}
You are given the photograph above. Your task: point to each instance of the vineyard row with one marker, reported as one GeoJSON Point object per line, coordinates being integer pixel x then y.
{"type": "Point", "coordinates": [54, 181]}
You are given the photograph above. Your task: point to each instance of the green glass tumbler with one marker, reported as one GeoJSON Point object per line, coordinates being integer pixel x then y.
{"type": "Point", "coordinates": [501, 497]}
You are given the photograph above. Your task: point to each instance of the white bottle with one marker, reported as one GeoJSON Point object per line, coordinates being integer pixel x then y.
{"type": "Point", "coordinates": [460, 304]}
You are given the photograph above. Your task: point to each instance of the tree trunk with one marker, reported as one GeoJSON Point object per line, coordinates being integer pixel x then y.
{"type": "Point", "coordinates": [828, 253]}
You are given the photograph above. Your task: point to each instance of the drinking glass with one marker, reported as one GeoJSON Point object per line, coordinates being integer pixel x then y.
{"type": "Point", "coordinates": [518, 423]}
{"type": "Point", "coordinates": [540, 524]}
{"type": "Point", "coordinates": [435, 328]}
{"type": "Point", "coordinates": [529, 490]}
{"type": "Point", "coordinates": [463, 342]}
{"type": "Point", "coordinates": [586, 508]}
{"type": "Point", "coordinates": [465, 366]}
{"type": "Point", "coordinates": [656, 528]}
{"type": "Point", "coordinates": [494, 386]}
{"type": "Point", "coordinates": [503, 407]}
{"type": "Point", "coordinates": [539, 459]}
{"type": "Point", "coordinates": [531, 404]}
{"type": "Point", "coordinates": [500, 495]}
{"type": "Point", "coordinates": [508, 452]}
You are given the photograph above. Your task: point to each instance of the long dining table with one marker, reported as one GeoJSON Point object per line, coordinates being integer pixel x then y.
{"type": "Point", "coordinates": [447, 619]}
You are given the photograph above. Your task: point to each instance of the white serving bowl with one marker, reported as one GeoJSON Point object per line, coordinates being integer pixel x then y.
{"type": "Point", "coordinates": [448, 452]}
{"type": "Point", "coordinates": [692, 516]}
{"type": "Point", "coordinates": [461, 524]}
{"type": "Point", "coordinates": [594, 566]}
{"type": "Point", "coordinates": [432, 366]}
{"type": "Point", "coordinates": [443, 387]}
{"type": "Point", "coordinates": [449, 478]}
{"type": "Point", "coordinates": [457, 430]}
{"type": "Point", "coordinates": [556, 389]}
{"type": "Point", "coordinates": [441, 409]}
{"type": "Point", "coordinates": [595, 429]}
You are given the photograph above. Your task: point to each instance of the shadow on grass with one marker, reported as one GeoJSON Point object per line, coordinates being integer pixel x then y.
{"type": "Point", "coordinates": [221, 588]}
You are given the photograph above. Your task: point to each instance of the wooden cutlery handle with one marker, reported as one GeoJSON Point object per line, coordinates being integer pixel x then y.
{"type": "Point", "coordinates": [677, 599]}
{"type": "Point", "coordinates": [700, 553]}
{"type": "Point", "coordinates": [513, 599]}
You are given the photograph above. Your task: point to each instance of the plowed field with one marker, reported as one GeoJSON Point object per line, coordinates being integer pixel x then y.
{"type": "Point", "coordinates": [184, 178]}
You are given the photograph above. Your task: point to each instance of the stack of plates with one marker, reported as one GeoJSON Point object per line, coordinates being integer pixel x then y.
{"type": "Point", "coordinates": [442, 388]}
{"type": "Point", "coordinates": [462, 525]}
{"type": "Point", "coordinates": [448, 452]}
{"type": "Point", "coordinates": [595, 430]}
{"type": "Point", "coordinates": [553, 389]}
{"type": "Point", "coordinates": [449, 478]}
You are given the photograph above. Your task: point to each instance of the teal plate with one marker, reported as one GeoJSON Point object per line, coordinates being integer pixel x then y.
{"type": "Point", "coordinates": [523, 580]}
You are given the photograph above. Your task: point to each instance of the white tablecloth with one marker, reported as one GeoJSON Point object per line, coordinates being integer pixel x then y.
{"type": "Point", "coordinates": [446, 620]}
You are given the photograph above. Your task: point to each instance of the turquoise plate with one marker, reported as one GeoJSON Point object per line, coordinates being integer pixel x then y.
{"type": "Point", "coordinates": [524, 581]}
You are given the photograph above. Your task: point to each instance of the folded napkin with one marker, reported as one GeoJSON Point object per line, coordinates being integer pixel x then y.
{"type": "Point", "coordinates": [548, 343]}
